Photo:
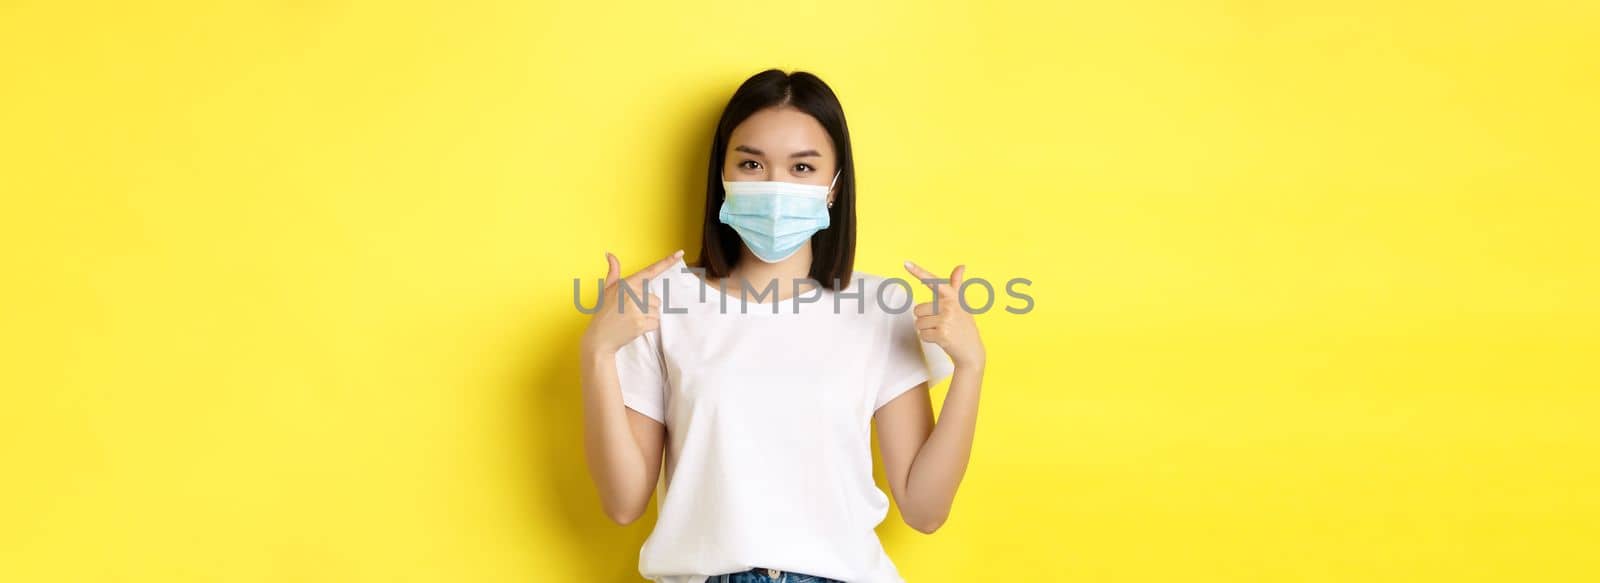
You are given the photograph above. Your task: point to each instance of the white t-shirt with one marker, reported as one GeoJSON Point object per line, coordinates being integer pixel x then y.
{"type": "Point", "coordinates": [768, 459]}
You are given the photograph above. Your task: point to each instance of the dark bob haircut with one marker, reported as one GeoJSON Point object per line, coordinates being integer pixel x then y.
{"type": "Point", "coordinates": [833, 250]}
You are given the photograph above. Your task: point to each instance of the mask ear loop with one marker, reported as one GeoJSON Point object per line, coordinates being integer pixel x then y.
{"type": "Point", "coordinates": [832, 184]}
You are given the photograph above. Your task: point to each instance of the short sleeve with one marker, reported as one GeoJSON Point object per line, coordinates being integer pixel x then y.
{"type": "Point", "coordinates": [908, 360]}
{"type": "Point", "coordinates": [642, 376]}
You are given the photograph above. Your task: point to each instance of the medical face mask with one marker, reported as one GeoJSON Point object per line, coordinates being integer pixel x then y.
{"type": "Point", "coordinates": [775, 218]}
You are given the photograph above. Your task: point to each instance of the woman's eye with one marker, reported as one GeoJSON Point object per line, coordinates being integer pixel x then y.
{"type": "Point", "coordinates": [802, 167]}
{"type": "Point", "coordinates": [749, 165]}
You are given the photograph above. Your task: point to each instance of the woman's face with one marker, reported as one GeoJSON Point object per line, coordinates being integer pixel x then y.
{"type": "Point", "coordinates": [780, 143]}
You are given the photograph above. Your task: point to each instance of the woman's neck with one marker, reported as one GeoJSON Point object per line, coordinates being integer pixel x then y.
{"type": "Point", "coordinates": [761, 274]}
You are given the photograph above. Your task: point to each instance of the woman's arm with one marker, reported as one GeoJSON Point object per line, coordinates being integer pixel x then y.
{"type": "Point", "coordinates": [926, 462]}
{"type": "Point", "coordinates": [622, 447]}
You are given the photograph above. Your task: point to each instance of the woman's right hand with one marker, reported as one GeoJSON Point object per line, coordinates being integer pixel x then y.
{"type": "Point", "coordinates": [613, 326]}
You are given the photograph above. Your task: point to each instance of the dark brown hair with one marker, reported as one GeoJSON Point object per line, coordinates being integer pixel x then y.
{"type": "Point", "coordinates": [833, 250]}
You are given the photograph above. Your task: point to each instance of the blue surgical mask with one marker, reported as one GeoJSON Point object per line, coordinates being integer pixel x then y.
{"type": "Point", "coordinates": [775, 218]}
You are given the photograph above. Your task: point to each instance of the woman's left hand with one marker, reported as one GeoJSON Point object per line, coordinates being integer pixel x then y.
{"type": "Point", "coordinates": [951, 326]}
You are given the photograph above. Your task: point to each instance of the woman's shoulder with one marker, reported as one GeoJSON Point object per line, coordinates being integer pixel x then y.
{"type": "Point", "coordinates": [680, 275]}
{"type": "Point", "coordinates": [872, 282]}
{"type": "Point", "coordinates": [880, 294]}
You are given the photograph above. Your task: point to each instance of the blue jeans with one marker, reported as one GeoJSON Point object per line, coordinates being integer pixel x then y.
{"type": "Point", "coordinates": [764, 575]}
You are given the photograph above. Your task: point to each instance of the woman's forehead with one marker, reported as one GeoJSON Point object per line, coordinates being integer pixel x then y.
{"type": "Point", "coordinates": [781, 131]}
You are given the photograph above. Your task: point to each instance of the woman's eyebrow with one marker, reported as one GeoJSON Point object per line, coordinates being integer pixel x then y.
{"type": "Point", "coordinates": [753, 151]}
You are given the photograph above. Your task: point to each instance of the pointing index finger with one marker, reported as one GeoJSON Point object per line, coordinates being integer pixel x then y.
{"type": "Point", "coordinates": [918, 271]}
{"type": "Point", "coordinates": [656, 268]}
{"type": "Point", "coordinates": [924, 276]}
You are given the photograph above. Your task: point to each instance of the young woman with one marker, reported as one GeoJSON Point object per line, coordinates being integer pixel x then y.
{"type": "Point", "coordinates": [754, 376]}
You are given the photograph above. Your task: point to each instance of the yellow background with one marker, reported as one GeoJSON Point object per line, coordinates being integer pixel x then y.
{"type": "Point", "coordinates": [287, 285]}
